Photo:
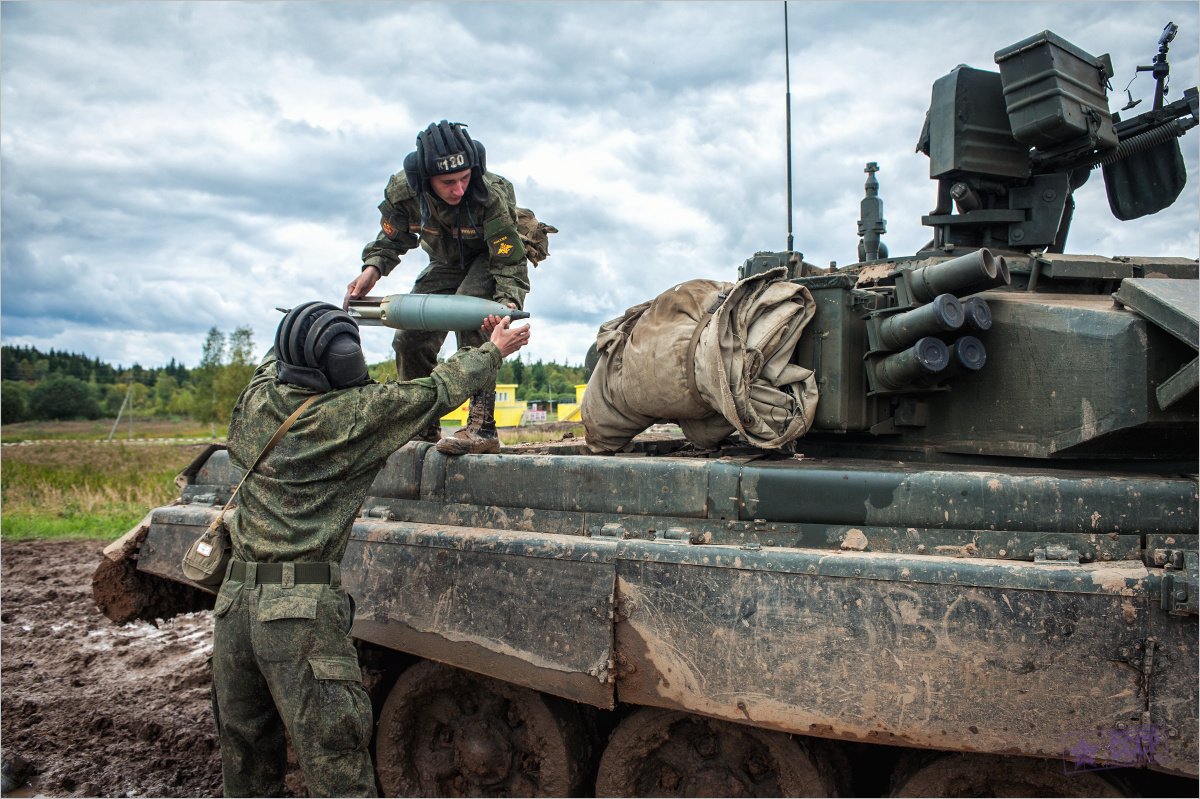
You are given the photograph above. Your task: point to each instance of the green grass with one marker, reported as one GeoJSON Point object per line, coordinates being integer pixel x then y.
{"type": "Point", "coordinates": [99, 429]}
{"type": "Point", "coordinates": [83, 489]}
{"type": "Point", "coordinates": [74, 485]}
{"type": "Point", "coordinates": [102, 527]}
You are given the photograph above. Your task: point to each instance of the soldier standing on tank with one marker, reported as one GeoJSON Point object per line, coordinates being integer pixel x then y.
{"type": "Point", "coordinates": [282, 655]}
{"type": "Point", "coordinates": [466, 219]}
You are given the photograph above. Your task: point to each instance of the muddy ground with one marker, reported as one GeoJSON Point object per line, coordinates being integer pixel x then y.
{"type": "Point", "coordinates": [100, 709]}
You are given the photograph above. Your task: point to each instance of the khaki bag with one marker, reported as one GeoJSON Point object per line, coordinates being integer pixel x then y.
{"type": "Point", "coordinates": [535, 235]}
{"type": "Point", "coordinates": [208, 557]}
{"type": "Point", "coordinates": [713, 357]}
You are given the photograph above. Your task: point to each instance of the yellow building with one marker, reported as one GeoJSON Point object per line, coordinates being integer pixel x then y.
{"type": "Point", "coordinates": [569, 411]}
{"type": "Point", "coordinates": [508, 410]}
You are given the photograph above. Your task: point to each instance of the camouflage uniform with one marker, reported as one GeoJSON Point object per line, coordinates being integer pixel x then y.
{"type": "Point", "coordinates": [282, 658]}
{"type": "Point", "coordinates": [471, 251]}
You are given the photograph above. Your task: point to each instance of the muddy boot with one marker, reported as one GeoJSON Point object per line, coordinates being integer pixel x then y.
{"type": "Point", "coordinates": [432, 433]}
{"type": "Point", "coordinates": [479, 435]}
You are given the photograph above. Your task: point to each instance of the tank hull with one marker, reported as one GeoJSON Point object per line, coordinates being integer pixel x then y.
{"type": "Point", "coordinates": [981, 609]}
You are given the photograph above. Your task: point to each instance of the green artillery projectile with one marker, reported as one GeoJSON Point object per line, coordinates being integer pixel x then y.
{"type": "Point", "coordinates": [429, 311]}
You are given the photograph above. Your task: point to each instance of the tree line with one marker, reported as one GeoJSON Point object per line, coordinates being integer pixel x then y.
{"type": "Point", "coordinates": [39, 386]}
{"type": "Point", "coordinates": [536, 382]}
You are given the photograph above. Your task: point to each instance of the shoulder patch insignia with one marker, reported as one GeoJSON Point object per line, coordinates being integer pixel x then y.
{"type": "Point", "coordinates": [388, 228]}
{"type": "Point", "coordinates": [505, 246]}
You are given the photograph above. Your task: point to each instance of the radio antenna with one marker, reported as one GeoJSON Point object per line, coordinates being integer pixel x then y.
{"type": "Point", "coordinates": [787, 70]}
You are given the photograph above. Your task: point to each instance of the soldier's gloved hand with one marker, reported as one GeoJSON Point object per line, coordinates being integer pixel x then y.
{"type": "Point", "coordinates": [361, 286]}
{"type": "Point", "coordinates": [507, 339]}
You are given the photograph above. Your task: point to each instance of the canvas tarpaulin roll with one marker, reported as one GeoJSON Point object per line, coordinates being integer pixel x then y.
{"type": "Point", "coordinates": [712, 356]}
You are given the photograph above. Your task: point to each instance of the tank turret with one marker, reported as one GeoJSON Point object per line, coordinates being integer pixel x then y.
{"type": "Point", "coordinates": [1007, 150]}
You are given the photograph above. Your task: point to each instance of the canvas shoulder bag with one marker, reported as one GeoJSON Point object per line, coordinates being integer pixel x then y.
{"type": "Point", "coordinates": [207, 558]}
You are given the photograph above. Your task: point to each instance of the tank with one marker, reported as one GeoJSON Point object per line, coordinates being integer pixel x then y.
{"type": "Point", "coordinates": [975, 575]}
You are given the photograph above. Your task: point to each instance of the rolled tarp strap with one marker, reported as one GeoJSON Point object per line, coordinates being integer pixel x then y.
{"type": "Point", "coordinates": [690, 361]}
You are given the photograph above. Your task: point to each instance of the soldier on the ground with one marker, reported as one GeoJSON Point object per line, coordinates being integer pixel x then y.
{"type": "Point", "coordinates": [465, 218]}
{"type": "Point", "coordinates": [282, 655]}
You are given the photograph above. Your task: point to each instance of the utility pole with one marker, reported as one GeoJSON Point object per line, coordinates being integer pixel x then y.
{"type": "Point", "coordinates": [128, 394]}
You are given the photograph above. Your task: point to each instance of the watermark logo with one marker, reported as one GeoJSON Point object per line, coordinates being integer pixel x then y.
{"type": "Point", "coordinates": [1097, 750]}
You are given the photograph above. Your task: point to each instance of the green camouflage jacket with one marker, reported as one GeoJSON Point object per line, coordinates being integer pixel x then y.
{"type": "Point", "coordinates": [492, 230]}
{"type": "Point", "coordinates": [300, 502]}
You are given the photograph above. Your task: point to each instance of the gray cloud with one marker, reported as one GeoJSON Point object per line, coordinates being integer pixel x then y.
{"type": "Point", "coordinates": [168, 167]}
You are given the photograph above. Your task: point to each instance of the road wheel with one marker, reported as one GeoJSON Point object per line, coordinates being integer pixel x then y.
{"type": "Point", "coordinates": [448, 732]}
{"type": "Point", "coordinates": [656, 752]}
{"type": "Point", "coordinates": [926, 774]}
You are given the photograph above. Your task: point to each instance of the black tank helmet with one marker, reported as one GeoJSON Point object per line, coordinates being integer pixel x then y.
{"type": "Point", "coordinates": [444, 148]}
{"type": "Point", "coordinates": [317, 346]}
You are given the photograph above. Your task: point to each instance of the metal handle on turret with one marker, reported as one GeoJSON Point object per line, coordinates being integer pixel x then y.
{"type": "Point", "coordinates": [429, 311]}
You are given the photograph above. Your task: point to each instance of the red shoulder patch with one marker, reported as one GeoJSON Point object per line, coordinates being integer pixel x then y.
{"type": "Point", "coordinates": [388, 229]}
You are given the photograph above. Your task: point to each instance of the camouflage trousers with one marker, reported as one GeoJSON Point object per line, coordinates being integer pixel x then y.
{"type": "Point", "coordinates": [417, 350]}
{"type": "Point", "coordinates": [282, 660]}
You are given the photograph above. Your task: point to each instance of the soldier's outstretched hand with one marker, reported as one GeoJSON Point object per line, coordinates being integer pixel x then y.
{"type": "Point", "coordinates": [507, 339]}
{"type": "Point", "coordinates": [360, 286]}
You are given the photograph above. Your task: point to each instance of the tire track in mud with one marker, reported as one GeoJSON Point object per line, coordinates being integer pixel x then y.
{"type": "Point", "coordinates": [100, 709]}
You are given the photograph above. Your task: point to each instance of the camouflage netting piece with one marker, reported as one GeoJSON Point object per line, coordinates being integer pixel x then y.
{"type": "Point", "coordinates": [744, 381]}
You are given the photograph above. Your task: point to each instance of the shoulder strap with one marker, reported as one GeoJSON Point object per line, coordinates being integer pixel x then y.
{"type": "Point", "coordinates": [689, 365]}
{"type": "Point", "coordinates": [437, 216]}
{"type": "Point", "coordinates": [283, 428]}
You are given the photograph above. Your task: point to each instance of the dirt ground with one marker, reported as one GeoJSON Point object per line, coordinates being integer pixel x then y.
{"type": "Point", "coordinates": [99, 709]}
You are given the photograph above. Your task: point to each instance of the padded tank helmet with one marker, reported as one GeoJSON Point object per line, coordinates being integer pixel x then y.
{"type": "Point", "coordinates": [317, 346]}
{"type": "Point", "coordinates": [445, 148]}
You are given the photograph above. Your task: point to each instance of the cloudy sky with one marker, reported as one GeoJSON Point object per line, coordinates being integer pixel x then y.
{"type": "Point", "coordinates": [168, 167]}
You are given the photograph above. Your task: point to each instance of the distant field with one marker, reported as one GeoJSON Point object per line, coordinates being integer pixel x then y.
{"type": "Point", "coordinates": [156, 429]}
{"type": "Point", "coordinates": [85, 489]}
{"type": "Point", "coordinates": [99, 429]}
{"type": "Point", "coordinates": [537, 433]}
{"type": "Point", "coordinates": [76, 485]}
